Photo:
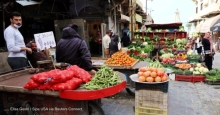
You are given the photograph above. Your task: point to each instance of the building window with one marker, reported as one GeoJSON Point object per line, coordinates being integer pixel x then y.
{"type": "Point", "coordinates": [201, 6]}
{"type": "Point", "coordinates": [196, 9]}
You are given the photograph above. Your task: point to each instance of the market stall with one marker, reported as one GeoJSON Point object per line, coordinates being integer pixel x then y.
{"type": "Point", "coordinates": [70, 91]}
{"type": "Point", "coordinates": [121, 66]}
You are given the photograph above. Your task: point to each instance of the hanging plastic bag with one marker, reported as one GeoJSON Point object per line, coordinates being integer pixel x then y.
{"type": "Point", "coordinates": [119, 46]}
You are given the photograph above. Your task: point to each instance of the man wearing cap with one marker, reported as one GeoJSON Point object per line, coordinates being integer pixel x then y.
{"type": "Point", "coordinates": [73, 49]}
{"type": "Point", "coordinates": [105, 42]}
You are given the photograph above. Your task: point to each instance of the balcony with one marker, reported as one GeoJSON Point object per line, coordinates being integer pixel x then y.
{"type": "Point", "coordinates": [212, 10]}
{"type": "Point", "coordinates": [194, 18]}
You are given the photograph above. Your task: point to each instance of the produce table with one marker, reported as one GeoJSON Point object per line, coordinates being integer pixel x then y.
{"type": "Point", "coordinates": [126, 70]}
{"type": "Point", "coordinates": [12, 91]}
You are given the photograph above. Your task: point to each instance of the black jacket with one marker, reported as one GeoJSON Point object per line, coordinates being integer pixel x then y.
{"type": "Point", "coordinates": [125, 40]}
{"type": "Point", "coordinates": [113, 45]}
{"type": "Point", "coordinates": [73, 49]}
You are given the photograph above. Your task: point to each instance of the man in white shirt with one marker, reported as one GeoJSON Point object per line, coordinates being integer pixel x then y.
{"type": "Point", "coordinates": [15, 43]}
{"type": "Point", "coordinates": [105, 42]}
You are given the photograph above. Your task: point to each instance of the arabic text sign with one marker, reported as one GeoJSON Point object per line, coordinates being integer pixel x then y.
{"type": "Point", "coordinates": [45, 40]}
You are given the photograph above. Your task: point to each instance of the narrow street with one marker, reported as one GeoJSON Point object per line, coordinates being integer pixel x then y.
{"type": "Point", "coordinates": [184, 98]}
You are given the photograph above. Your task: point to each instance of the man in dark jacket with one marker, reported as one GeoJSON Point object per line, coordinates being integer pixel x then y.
{"type": "Point", "coordinates": [113, 45]}
{"type": "Point", "coordinates": [73, 49]}
{"type": "Point", "coordinates": [125, 40]}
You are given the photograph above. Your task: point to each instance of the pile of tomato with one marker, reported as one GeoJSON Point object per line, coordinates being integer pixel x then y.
{"type": "Point", "coordinates": [152, 75]}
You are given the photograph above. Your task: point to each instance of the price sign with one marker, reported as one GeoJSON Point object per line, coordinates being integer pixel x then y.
{"type": "Point", "coordinates": [45, 40]}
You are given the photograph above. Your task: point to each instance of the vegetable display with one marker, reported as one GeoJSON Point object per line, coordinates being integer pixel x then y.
{"type": "Point", "coordinates": [104, 78]}
{"type": "Point", "coordinates": [213, 75]}
{"type": "Point", "coordinates": [139, 50]}
{"type": "Point", "coordinates": [152, 75]}
{"type": "Point", "coordinates": [198, 69]}
{"type": "Point", "coordinates": [156, 64]}
{"type": "Point", "coordinates": [183, 66]}
{"type": "Point", "coordinates": [120, 59]}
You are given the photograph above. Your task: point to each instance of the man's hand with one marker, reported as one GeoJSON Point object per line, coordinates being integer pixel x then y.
{"type": "Point", "coordinates": [29, 50]}
{"type": "Point", "coordinates": [92, 72]}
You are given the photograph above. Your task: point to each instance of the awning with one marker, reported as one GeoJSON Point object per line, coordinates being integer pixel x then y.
{"type": "Point", "coordinates": [216, 26]}
{"type": "Point", "coordinates": [209, 23]}
{"type": "Point", "coordinates": [124, 18]}
{"type": "Point", "coordinates": [198, 27]}
{"type": "Point", "coordinates": [138, 18]}
{"type": "Point", "coordinates": [194, 18]}
{"type": "Point", "coordinates": [27, 3]}
{"type": "Point", "coordinates": [139, 3]}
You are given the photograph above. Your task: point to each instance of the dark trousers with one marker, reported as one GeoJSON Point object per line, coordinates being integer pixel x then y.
{"type": "Point", "coordinates": [112, 52]}
{"type": "Point", "coordinates": [199, 50]}
{"type": "Point", "coordinates": [208, 61]}
{"type": "Point", "coordinates": [17, 62]}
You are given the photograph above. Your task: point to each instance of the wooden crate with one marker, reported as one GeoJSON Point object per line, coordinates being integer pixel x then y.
{"type": "Point", "coordinates": [209, 82]}
{"type": "Point", "coordinates": [149, 111]}
{"type": "Point", "coordinates": [151, 98]}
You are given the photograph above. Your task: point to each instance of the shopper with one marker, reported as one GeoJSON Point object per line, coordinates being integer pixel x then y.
{"type": "Point", "coordinates": [72, 49]}
{"type": "Point", "coordinates": [125, 40]}
{"type": "Point", "coordinates": [208, 50]}
{"type": "Point", "coordinates": [199, 44]}
{"type": "Point", "coordinates": [105, 42]}
{"type": "Point", "coordinates": [15, 43]}
{"type": "Point", "coordinates": [113, 46]}
{"type": "Point", "coordinates": [218, 45]}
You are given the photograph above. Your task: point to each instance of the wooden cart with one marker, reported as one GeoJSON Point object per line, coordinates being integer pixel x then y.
{"type": "Point", "coordinates": [15, 100]}
{"type": "Point", "coordinates": [127, 70]}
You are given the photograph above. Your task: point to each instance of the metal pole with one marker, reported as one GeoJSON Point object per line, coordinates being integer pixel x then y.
{"type": "Point", "coordinates": [115, 20]}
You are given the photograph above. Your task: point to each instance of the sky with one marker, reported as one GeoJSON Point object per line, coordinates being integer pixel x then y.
{"type": "Point", "coordinates": [164, 10]}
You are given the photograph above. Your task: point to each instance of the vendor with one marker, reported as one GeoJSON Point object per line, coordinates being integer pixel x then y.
{"type": "Point", "coordinates": [36, 55]}
{"type": "Point", "coordinates": [113, 45]}
{"type": "Point", "coordinates": [72, 49]}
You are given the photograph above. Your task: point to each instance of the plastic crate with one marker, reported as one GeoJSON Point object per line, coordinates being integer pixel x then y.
{"type": "Point", "coordinates": [193, 60]}
{"type": "Point", "coordinates": [198, 79]}
{"type": "Point", "coordinates": [159, 86]}
{"type": "Point", "coordinates": [183, 78]}
{"type": "Point", "coordinates": [151, 98]}
{"type": "Point", "coordinates": [149, 111]}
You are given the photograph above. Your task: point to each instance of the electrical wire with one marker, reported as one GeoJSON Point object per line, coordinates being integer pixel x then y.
{"type": "Point", "coordinates": [75, 7]}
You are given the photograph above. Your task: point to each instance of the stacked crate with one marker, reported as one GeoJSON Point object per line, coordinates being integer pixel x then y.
{"type": "Point", "coordinates": [151, 99]}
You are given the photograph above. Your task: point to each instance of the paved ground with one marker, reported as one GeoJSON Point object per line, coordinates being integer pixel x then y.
{"type": "Point", "coordinates": [184, 98]}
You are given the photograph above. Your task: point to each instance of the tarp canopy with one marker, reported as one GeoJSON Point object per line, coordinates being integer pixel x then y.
{"type": "Point", "coordinates": [216, 26]}
{"type": "Point", "coordinates": [27, 3]}
{"type": "Point", "coordinates": [209, 23]}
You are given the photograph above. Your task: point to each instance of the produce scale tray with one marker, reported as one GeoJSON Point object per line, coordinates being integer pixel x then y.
{"type": "Point", "coordinates": [134, 78]}
{"type": "Point", "coordinates": [99, 62]}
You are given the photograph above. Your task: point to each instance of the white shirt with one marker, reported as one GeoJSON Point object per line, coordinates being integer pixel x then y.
{"type": "Point", "coordinates": [199, 44]}
{"type": "Point", "coordinates": [106, 41]}
{"type": "Point", "coordinates": [14, 41]}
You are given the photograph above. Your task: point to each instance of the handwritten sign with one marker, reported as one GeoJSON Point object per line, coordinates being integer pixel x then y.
{"type": "Point", "coordinates": [45, 40]}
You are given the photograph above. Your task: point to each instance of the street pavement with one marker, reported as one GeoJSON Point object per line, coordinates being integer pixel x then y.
{"type": "Point", "coordinates": [184, 98]}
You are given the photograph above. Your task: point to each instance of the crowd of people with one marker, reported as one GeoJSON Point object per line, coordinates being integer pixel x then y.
{"type": "Point", "coordinates": [112, 43]}
{"type": "Point", "coordinates": [203, 45]}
